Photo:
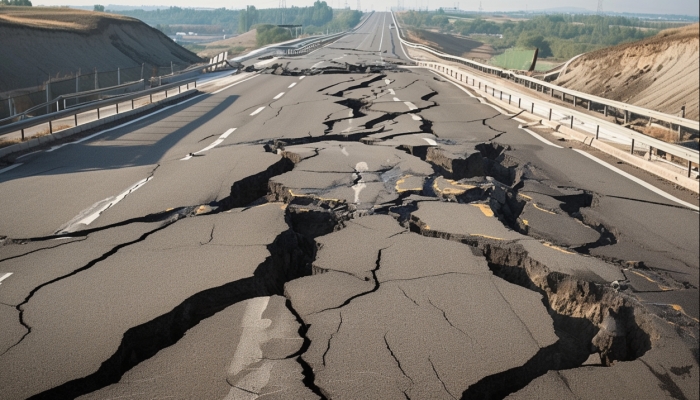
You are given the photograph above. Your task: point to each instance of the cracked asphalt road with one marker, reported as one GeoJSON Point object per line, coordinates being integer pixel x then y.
{"type": "Point", "coordinates": [335, 225]}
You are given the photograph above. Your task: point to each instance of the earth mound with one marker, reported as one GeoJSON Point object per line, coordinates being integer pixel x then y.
{"type": "Point", "coordinates": [660, 73]}
{"type": "Point", "coordinates": [38, 42]}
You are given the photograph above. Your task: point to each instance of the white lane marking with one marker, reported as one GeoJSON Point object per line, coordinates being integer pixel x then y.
{"type": "Point", "coordinates": [315, 65]}
{"type": "Point", "coordinates": [416, 117]}
{"type": "Point", "coordinates": [90, 214]}
{"type": "Point", "coordinates": [382, 39]}
{"type": "Point", "coordinates": [234, 84]}
{"type": "Point", "coordinates": [13, 166]}
{"type": "Point", "coordinates": [278, 96]}
{"type": "Point", "coordinates": [345, 152]}
{"type": "Point", "coordinates": [302, 77]}
{"type": "Point", "coordinates": [292, 85]}
{"type": "Point", "coordinates": [257, 111]}
{"type": "Point", "coordinates": [430, 141]}
{"type": "Point", "coordinates": [519, 120]}
{"type": "Point", "coordinates": [387, 81]}
{"type": "Point", "coordinates": [461, 88]}
{"type": "Point", "coordinates": [396, 99]}
{"type": "Point", "coordinates": [639, 181]}
{"type": "Point", "coordinates": [94, 135]}
{"type": "Point", "coordinates": [29, 154]}
{"type": "Point", "coordinates": [410, 105]}
{"type": "Point", "coordinates": [2, 278]}
{"type": "Point", "coordinates": [212, 145]}
{"type": "Point", "coordinates": [391, 92]}
{"type": "Point", "coordinates": [540, 138]}
{"type": "Point", "coordinates": [360, 185]}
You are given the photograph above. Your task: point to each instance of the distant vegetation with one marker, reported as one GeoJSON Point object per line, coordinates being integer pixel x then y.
{"type": "Point", "coordinates": [315, 19]}
{"type": "Point", "coordinates": [559, 36]}
{"type": "Point", "coordinates": [268, 34]}
{"type": "Point", "coordinates": [16, 3]}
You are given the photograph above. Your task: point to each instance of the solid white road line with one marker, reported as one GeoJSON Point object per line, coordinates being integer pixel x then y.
{"type": "Point", "coordinates": [2, 278]}
{"type": "Point", "coordinates": [234, 84]}
{"type": "Point", "coordinates": [639, 181]}
{"type": "Point", "coordinates": [13, 166]}
{"type": "Point", "coordinates": [292, 85]}
{"type": "Point", "coordinates": [302, 77]}
{"type": "Point", "coordinates": [541, 139]}
{"type": "Point", "coordinates": [382, 40]}
{"type": "Point", "coordinates": [257, 111]}
{"type": "Point", "coordinates": [124, 124]}
{"type": "Point", "coordinates": [29, 154]}
{"type": "Point", "coordinates": [278, 96]}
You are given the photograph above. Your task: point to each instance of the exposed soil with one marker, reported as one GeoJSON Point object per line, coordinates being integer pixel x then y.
{"type": "Point", "coordinates": [456, 45]}
{"type": "Point", "coordinates": [660, 73]}
{"type": "Point", "coordinates": [40, 42]}
{"type": "Point", "coordinates": [234, 45]}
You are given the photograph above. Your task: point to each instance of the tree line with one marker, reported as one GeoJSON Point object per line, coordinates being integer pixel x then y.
{"type": "Point", "coordinates": [315, 19]}
{"type": "Point", "coordinates": [560, 36]}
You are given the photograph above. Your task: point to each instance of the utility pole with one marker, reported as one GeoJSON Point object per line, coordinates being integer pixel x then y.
{"type": "Point", "coordinates": [481, 9]}
{"type": "Point", "coordinates": [358, 6]}
{"type": "Point", "coordinates": [599, 11]}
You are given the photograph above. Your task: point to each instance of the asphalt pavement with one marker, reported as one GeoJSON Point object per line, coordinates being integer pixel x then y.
{"type": "Point", "coordinates": [340, 225]}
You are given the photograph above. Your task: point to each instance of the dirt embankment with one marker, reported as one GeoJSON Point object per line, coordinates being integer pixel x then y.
{"type": "Point", "coordinates": [459, 46]}
{"type": "Point", "coordinates": [659, 73]}
{"type": "Point", "coordinates": [39, 42]}
{"type": "Point", "coordinates": [234, 45]}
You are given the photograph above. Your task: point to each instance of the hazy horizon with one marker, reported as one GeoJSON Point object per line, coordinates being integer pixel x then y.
{"type": "Point", "coordinates": [679, 7]}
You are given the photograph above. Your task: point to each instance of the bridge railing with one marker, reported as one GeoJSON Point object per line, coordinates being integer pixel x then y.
{"type": "Point", "coordinates": [23, 124]}
{"type": "Point", "coordinates": [593, 102]}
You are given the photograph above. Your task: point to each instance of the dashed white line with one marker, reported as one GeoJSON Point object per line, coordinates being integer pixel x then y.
{"type": "Point", "coordinates": [387, 81]}
{"type": "Point", "coordinates": [416, 117]}
{"type": "Point", "coordinates": [13, 166]}
{"type": "Point", "coordinates": [302, 77]}
{"type": "Point", "coordinates": [396, 99]}
{"type": "Point", "coordinates": [2, 278]}
{"type": "Point", "coordinates": [410, 105]}
{"type": "Point", "coordinates": [89, 215]}
{"type": "Point", "coordinates": [540, 138]}
{"type": "Point", "coordinates": [292, 85]}
{"type": "Point", "coordinates": [639, 181]}
{"type": "Point", "coordinates": [430, 141]}
{"type": "Point", "coordinates": [212, 145]}
{"type": "Point", "coordinates": [391, 92]}
{"type": "Point", "coordinates": [315, 65]}
{"type": "Point", "coordinates": [278, 96]}
{"type": "Point", "coordinates": [256, 112]}
{"type": "Point", "coordinates": [29, 154]}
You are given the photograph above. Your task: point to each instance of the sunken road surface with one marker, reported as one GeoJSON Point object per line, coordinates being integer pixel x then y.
{"type": "Point", "coordinates": [337, 226]}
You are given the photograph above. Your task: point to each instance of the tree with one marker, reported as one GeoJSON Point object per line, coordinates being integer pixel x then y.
{"type": "Point", "coordinates": [99, 8]}
{"type": "Point", "coordinates": [530, 40]}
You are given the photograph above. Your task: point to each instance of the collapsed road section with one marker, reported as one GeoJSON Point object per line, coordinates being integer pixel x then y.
{"type": "Point", "coordinates": [375, 234]}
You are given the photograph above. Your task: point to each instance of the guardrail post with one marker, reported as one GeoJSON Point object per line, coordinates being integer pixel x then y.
{"type": "Point", "coordinates": [501, 95]}
{"type": "Point", "coordinates": [550, 114]}
{"type": "Point", "coordinates": [98, 112]}
{"type": "Point", "coordinates": [117, 107]}
{"type": "Point", "coordinates": [597, 131]}
{"type": "Point", "coordinates": [50, 127]}
{"type": "Point", "coordinates": [179, 89]}
{"type": "Point", "coordinates": [589, 105]}
{"type": "Point", "coordinates": [651, 150]}
{"type": "Point", "coordinates": [551, 92]}
{"type": "Point", "coordinates": [132, 104]}
{"type": "Point", "coordinates": [572, 122]}
{"type": "Point", "coordinates": [519, 100]}
{"type": "Point", "coordinates": [632, 147]}
{"type": "Point", "coordinates": [690, 168]}
{"type": "Point", "coordinates": [23, 134]}
{"type": "Point", "coordinates": [532, 110]}
{"type": "Point", "coordinates": [605, 110]}
{"type": "Point", "coordinates": [627, 116]}
{"type": "Point", "coordinates": [574, 101]}
{"type": "Point", "coordinates": [75, 117]}
{"type": "Point", "coordinates": [150, 96]}
{"type": "Point", "coordinates": [195, 84]}
{"type": "Point", "coordinates": [509, 98]}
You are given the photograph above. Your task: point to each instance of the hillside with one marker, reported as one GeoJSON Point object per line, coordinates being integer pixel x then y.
{"type": "Point", "coordinates": [234, 45]}
{"type": "Point", "coordinates": [38, 42]}
{"type": "Point", "coordinates": [659, 73]}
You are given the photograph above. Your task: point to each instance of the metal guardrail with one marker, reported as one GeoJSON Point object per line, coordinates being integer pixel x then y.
{"type": "Point", "coordinates": [690, 155]}
{"type": "Point", "coordinates": [576, 95]}
{"type": "Point", "coordinates": [74, 111]}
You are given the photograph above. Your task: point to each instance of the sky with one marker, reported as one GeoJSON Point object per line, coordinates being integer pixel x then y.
{"type": "Point", "coordinates": [684, 7]}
